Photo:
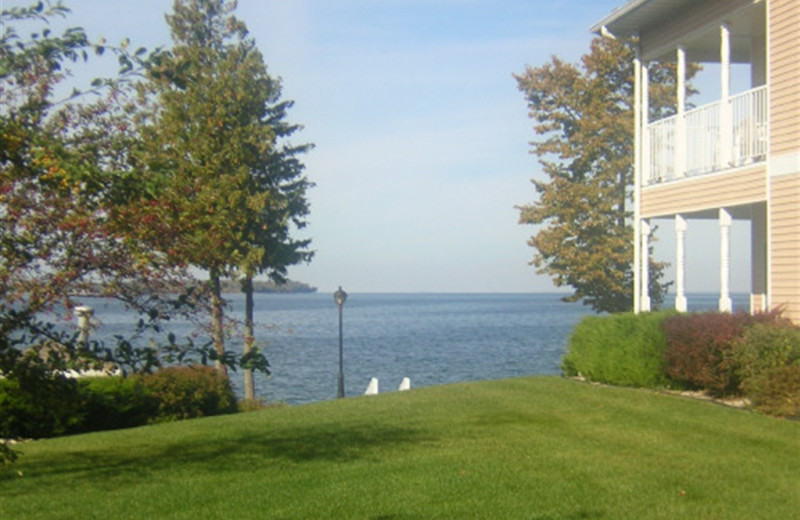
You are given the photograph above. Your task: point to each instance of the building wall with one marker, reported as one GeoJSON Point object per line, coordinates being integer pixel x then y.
{"type": "Point", "coordinates": [708, 192]}
{"type": "Point", "coordinates": [785, 244]}
{"type": "Point", "coordinates": [784, 155]}
{"type": "Point", "coordinates": [784, 77]}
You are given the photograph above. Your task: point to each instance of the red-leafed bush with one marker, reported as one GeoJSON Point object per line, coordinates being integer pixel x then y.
{"type": "Point", "coordinates": [700, 346]}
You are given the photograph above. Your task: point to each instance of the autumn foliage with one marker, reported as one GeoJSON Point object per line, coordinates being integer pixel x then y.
{"type": "Point", "coordinates": [584, 126]}
{"type": "Point", "coordinates": [701, 348]}
{"type": "Point", "coordinates": [722, 354]}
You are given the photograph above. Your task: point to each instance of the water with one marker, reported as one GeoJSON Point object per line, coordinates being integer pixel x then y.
{"type": "Point", "coordinates": [432, 339]}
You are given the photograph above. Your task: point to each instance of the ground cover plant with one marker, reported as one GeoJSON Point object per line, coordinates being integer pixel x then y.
{"type": "Point", "coordinates": [529, 448]}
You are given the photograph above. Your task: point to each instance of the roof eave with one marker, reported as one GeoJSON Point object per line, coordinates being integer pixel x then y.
{"type": "Point", "coordinates": [606, 26]}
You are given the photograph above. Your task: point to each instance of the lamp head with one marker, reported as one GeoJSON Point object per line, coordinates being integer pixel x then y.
{"type": "Point", "coordinates": [340, 296]}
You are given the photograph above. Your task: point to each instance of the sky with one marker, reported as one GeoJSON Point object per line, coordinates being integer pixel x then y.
{"type": "Point", "coordinates": [421, 136]}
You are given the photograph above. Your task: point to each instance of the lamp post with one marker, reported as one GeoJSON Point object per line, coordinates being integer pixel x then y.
{"type": "Point", "coordinates": [340, 297]}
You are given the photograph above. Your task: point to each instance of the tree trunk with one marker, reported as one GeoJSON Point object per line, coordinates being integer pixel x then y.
{"type": "Point", "coordinates": [249, 337]}
{"type": "Point", "coordinates": [217, 319]}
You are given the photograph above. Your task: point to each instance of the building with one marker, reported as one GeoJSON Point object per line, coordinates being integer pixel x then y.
{"type": "Point", "coordinates": [735, 158]}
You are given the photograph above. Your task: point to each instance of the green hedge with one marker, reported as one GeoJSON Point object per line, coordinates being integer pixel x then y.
{"type": "Point", "coordinates": [48, 407]}
{"type": "Point", "coordinates": [622, 349]}
{"type": "Point", "coordinates": [34, 407]}
{"type": "Point", "coordinates": [767, 362]}
{"type": "Point", "coordinates": [116, 402]}
{"type": "Point", "coordinates": [724, 354]}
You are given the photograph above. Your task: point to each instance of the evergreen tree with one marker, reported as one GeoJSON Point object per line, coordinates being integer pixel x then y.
{"type": "Point", "coordinates": [281, 177]}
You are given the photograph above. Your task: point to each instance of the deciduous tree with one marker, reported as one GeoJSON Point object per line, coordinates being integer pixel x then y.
{"type": "Point", "coordinates": [584, 118]}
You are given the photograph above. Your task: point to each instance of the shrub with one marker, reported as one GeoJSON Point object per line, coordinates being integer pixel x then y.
{"type": "Point", "coordinates": [700, 347]}
{"type": "Point", "coordinates": [767, 361]}
{"type": "Point", "coordinates": [39, 406]}
{"type": "Point", "coordinates": [623, 349]}
{"type": "Point", "coordinates": [116, 402]}
{"type": "Point", "coordinates": [777, 391]}
{"type": "Point", "coordinates": [763, 347]}
{"type": "Point", "coordinates": [188, 392]}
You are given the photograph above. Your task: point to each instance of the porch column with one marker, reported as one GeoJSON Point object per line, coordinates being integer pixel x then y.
{"type": "Point", "coordinates": [725, 158]}
{"type": "Point", "coordinates": [637, 173]}
{"type": "Point", "coordinates": [680, 263]}
{"type": "Point", "coordinates": [645, 267]}
{"type": "Point", "coordinates": [725, 221]}
{"type": "Point", "coordinates": [680, 122]}
{"type": "Point", "coordinates": [758, 256]}
{"type": "Point", "coordinates": [647, 174]}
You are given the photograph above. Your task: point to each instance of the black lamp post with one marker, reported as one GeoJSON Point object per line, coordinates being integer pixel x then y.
{"type": "Point", "coordinates": [340, 297]}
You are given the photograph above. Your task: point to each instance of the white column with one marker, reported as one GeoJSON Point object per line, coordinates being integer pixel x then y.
{"type": "Point", "coordinates": [725, 158]}
{"type": "Point", "coordinates": [645, 266]}
{"type": "Point", "coordinates": [637, 175]}
{"type": "Point", "coordinates": [84, 314]}
{"type": "Point", "coordinates": [680, 263]}
{"type": "Point", "coordinates": [725, 221]}
{"type": "Point", "coordinates": [680, 126]}
{"type": "Point", "coordinates": [645, 93]}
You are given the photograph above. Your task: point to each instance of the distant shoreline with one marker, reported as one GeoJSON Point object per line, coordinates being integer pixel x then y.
{"type": "Point", "coordinates": [229, 287]}
{"type": "Point", "coordinates": [262, 286]}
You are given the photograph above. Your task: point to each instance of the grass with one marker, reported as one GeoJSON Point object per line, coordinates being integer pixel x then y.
{"type": "Point", "coordinates": [532, 448]}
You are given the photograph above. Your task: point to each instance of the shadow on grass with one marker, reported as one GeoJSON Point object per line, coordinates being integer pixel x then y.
{"type": "Point", "coordinates": [232, 450]}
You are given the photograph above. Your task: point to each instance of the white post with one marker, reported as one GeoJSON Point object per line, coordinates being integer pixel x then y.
{"type": "Point", "coordinates": [645, 267]}
{"type": "Point", "coordinates": [725, 221]}
{"type": "Point", "coordinates": [372, 387]}
{"type": "Point", "coordinates": [645, 115]}
{"type": "Point", "coordinates": [405, 384]}
{"type": "Point", "coordinates": [84, 315]}
{"type": "Point", "coordinates": [725, 119]}
{"type": "Point", "coordinates": [680, 123]}
{"type": "Point", "coordinates": [637, 175]}
{"type": "Point", "coordinates": [680, 263]}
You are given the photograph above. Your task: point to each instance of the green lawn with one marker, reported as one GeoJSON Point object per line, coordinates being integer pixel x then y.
{"type": "Point", "coordinates": [531, 448]}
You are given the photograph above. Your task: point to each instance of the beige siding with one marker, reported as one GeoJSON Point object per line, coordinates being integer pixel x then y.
{"type": "Point", "coordinates": [785, 243]}
{"type": "Point", "coordinates": [664, 37]}
{"type": "Point", "coordinates": [708, 192]}
{"type": "Point", "coordinates": [784, 79]}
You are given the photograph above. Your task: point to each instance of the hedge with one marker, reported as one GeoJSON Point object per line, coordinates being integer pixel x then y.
{"type": "Point", "coordinates": [54, 406]}
{"type": "Point", "coordinates": [623, 349]}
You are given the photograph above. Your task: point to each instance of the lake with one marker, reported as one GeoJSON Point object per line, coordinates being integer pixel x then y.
{"type": "Point", "coordinates": [432, 339]}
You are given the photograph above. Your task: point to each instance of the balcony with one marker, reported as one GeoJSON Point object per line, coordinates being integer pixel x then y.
{"type": "Point", "coordinates": [708, 139]}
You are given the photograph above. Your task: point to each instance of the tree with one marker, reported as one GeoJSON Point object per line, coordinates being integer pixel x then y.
{"type": "Point", "coordinates": [585, 117]}
{"type": "Point", "coordinates": [64, 167]}
{"type": "Point", "coordinates": [53, 238]}
{"type": "Point", "coordinates": [281, 177]}
{"type": "Point", "coordinates": [204, 132]}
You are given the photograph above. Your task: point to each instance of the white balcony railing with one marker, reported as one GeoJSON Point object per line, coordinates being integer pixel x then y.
{"type": "Point", "coordinates": [708, 139]}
